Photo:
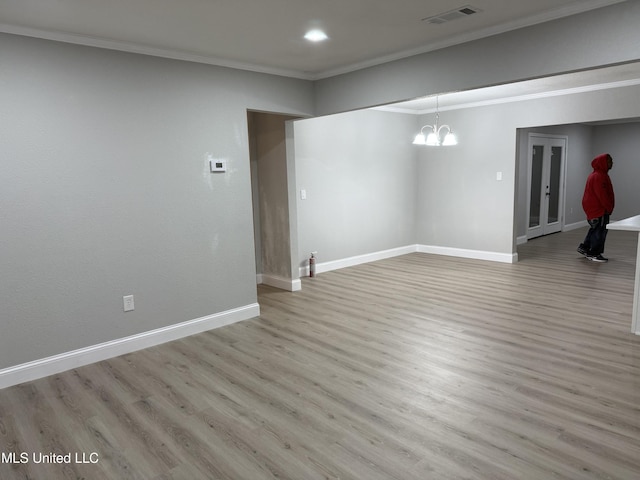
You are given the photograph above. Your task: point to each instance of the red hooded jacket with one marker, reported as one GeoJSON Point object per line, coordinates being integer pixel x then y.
{"type": "Point", "coordinates": [598, 196]}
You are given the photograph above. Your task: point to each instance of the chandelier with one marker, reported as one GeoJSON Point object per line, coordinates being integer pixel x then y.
{"type": "Point", "coordinates": [434, 135]}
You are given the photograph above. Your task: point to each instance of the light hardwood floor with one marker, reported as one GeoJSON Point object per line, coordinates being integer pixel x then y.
{"type": "Point", "coordinates": [416, 367]}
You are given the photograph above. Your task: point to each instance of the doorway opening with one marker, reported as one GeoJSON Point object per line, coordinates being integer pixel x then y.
{"type": "Point", "coordinates": [272, 179]}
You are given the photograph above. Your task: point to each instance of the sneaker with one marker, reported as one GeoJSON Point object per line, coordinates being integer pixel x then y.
{"type": "Point", "coordinates": [582, 251]}
{"type": "Point", "coordinates": [598, 258]}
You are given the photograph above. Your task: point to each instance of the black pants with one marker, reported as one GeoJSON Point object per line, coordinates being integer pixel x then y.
{"type": "Point", "coordinates": [597, 234]}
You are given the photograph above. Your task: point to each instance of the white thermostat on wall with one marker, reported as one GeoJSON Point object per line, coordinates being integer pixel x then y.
{"type": "Point", "coordinates": [217, 165]}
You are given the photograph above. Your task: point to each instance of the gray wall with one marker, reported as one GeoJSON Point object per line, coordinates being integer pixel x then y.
{"type": "Point", "coordinates": [599, 37]}
{"type": "Point", "coordinates": [359, 171]}
{"type": "Point", "coordinates": [105, 191]}
{"type": "Point", "coordinates": [462, 204]}
{"type": "Point", "coordinates": [350, 164]}
{"type": "Point", "coordinates": [622, 141]}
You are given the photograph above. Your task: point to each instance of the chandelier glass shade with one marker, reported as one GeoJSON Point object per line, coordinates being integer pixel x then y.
{"type": "Point", "coordinates": [435, 135]}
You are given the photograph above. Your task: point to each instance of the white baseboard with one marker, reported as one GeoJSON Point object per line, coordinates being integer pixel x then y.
{"type": "Point", "coordinates": [566, 228]}
{"type": "Point", "coordinates": [281, 282]}
{"type": "Point", "coordinates": [372, 257]}
{"type": "Point", "coordinates": [95, 353]}
{"type": "Point", "coordinates": [475, 254]}
{"type": "Point", "coordinates": [575, 226]}
{"type": "Point", "coordinates": [358, 260]}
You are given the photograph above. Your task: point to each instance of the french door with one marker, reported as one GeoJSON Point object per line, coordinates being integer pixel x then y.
{"type": "Point", "coordinates": [547, 156]}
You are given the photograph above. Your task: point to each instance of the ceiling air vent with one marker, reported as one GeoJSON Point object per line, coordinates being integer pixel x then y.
{"type": "Point", "coordinates": [452, 15]}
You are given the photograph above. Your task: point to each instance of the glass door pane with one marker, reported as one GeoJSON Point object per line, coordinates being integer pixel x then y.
{"type": "Point", "coordinates": [554, 185]}
{"type": "Point", "coordinates": [536, 185]}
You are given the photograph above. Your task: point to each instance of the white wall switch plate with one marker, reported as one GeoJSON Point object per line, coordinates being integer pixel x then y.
{"type": "Point", "coordinates": [128, 303]}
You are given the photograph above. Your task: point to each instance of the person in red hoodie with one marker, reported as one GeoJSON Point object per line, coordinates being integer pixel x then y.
{"type": "Point", "coordinates": [598, 202]}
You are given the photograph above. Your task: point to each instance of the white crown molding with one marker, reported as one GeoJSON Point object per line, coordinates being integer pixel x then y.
{"type": "Point", "coordinates": [553, 93]}
{"type": "Point", "coordinates": [107, 44]}
{"type": "Point", "coordinates": [573, 9]}
{"type": "Point", "coordinates": [392, 109]}
{"type": "Point", "coordinates": [514, 99]}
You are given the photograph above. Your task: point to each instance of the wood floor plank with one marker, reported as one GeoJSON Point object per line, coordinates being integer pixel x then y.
{"type": "Point", "coordinates": [415, 367]}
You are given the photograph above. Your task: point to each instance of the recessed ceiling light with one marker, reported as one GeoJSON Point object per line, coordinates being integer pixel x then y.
{"type": "Point", "coordinates": [315, 36]}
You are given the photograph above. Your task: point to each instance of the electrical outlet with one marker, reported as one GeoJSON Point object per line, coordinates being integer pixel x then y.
{"type": "Point", "coordinates": [128, 303]}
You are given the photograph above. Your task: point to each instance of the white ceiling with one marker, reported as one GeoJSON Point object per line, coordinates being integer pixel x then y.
{"type": "Point", "coordinates": [267, 35]}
